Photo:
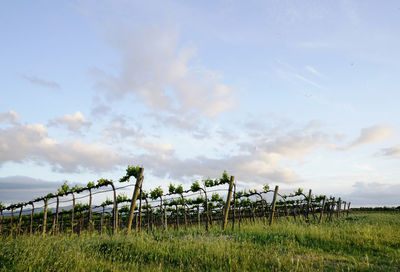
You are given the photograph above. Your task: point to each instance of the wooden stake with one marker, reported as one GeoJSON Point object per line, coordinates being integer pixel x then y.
{"type": "Point", "coordinates": [348, 208]}
{"type": "Point", "coordinates": [322, 209]}
{"type": "Point", "coordinates": [90, 210]}
{"type": "Point", "coordinates": [234, 206]}
{"type": "Point", "coordinates": [308, 204]}
{"type": "Point", "coordinates": [115, 210]}
{"type": "Point", "coordinates": [45, 215]}
{"type": "Point", "coordinates": [339, 206]}
{"type": "Point", "coordinates": [31, 226]}
{"type": "Point", "coordinates": [73, 213]}
{"type": "Point", "coordinates": [228, 203]}
{"type": "Point", "coordinates": [20, 220]}
{"type": "Point", "coordinates": [140, 207]}
{"type": "Point", "coordinates": [271, 216]}
{"type": "Point", "coordinates": [134, 198]}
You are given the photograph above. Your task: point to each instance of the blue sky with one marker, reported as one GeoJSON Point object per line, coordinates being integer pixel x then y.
{"type": "Point", "coordinates": [300, 94]}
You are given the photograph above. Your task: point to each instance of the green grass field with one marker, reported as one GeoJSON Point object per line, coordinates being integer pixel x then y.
{"type": "Point", "coordinates": [368, 241]}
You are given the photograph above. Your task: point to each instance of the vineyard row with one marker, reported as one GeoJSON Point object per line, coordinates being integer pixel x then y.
{"type": "Point", "coordinates": [156, 209]}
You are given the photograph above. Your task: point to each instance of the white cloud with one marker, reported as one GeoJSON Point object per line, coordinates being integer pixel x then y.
{"type": "Point", "coordinates": [260, 161]}
{"type": "Point", "coordinates": [42, 82]}
{"type": "Point", "coordinates": [313, 71]}
{"type": "Point", "coordinates": [372, 134]}
{"type": "Point", "coordinates": [9, 116]}
{"type": "Point", "coordinates": [391, 151]}
{"type": "Point", "coordinates": [74, 122]}
{"type": "Point", "coordinates": [156, 147]}
{"type": "Point", "coordinates": [158, 70]}
{"type": "Point", "coordinates": [32, 143]}
{"type": "Point", "coordinates": [122, 127]}
{"type": "Point", "coordinates": [308, 81]}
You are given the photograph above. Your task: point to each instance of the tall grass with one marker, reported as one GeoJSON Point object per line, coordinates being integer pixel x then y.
{"type": "Point", "coordinates": [360, 242]}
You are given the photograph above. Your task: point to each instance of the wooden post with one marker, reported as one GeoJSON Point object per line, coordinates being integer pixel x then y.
{"type": "Point", "coordinates": [240, 216]}
{"type": "Point", "coordinates": [176, 217]}
{"type": "Point", "coordinates": [140, 208]}
{"type": "Point", "coordinates": [207, 210]}
{"type": "Point", "coordinates": [198, 215]}
{"type": "Point", "coordinates": [252, 210]}
{"type": "Point", "coordinates": [73, 213]}
{"type": "Point", "coordinates": [308, 204]}
{"type": "Point", "coordinates": [228, 203]}
{"type": "Point", "coordinates": [332, 207]}
{"type": "Point", "coordinates": [45, 215]}
{"type": "Point", "coordinates": [134, 198]}
{"type": "Point", "coordinates": [147, 214]}
{"type": "Point", "coordinates": [12, 220]}
{"type": "Point", "coordinates": [20, 220]}
{"type": "Point", "coordinates": [102, 220]}
{"type": "Point", "coordinates": [115, 210]}
{"type": "Point", "coordinates": [90, 210]}
{"type": "Point", "coordinates": [344, 208]}
{"type": "Point", "coordinates": [56, 223]}
{"type": "Point", "coordinates": [339, 206]}
{"type": "Point", "coordinates": [166, 217]}
{"type": "Point", "coordinates": [32, 212]}
{"type": "Point", "coordinates": [348, 208]}
{"type": "Point", "coordinates": [234, 206]}
{"type": "Point", "coordinates": [184, 211]}
{"type": "Point", "coordinates": [322, 209]}
{"type": "Point", "coordinates": [271, 216]}
{"type": "Point", "coordinates": [162, 214]}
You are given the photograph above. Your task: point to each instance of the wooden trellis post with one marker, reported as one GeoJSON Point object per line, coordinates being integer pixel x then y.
{"type": "Point", "coordinates": [147, 214]}
{"type": "Point", "coordinates": [166, 217]}
{"type": "Point", "coordinates": [102, 220]}
{"type": "Point", "coordinates": [12, 220]}
{"type": "Point", "coordinates": [20, 220]}
{"type": "Point", "coordinates": [322, 209]}
{"type": "Point", "coordinates": [348, 208]}
{"type": "Point", "coordinates": [162, 214]}
{"type": "Point", "coordinates": [344, 208]}
{"type": "Point", "coordinates": [234, 206]}
{"type": "Point", "coordinates": [90, 210]}
{"type": "Point", "coordinates": [32, 212]}
{"type": "Point", "coordinates": [339, 206]}
{"type": "Point", "coordinates": [309, 203]}
{"type": "Point", "coordinates": [56, 223]}
{"type": "Point", "coordinates": [73, 213]}
{"type": "Point", "coordinates": [115, 210]}
{"type": "Point", "coordinates": [228, 203]}
{"type": "Point", "coordinates": [271, 216]}
{"type": "Point", "coordinates": [184, 211]}
{"type": "Point", "coordinates": [134, 198]}
{"type": "Point", "coordinates": [176, 217]}
{"type": "Point", "coordinates": [46, 201]}
{"type": "Point", "coordinates": [140, 207]}
{"type": "Point", "coordinates": [198, 215]}
{"type": "Point", "coordinates": [332, 207]}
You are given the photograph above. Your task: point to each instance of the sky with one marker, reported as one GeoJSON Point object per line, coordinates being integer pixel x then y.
{"type": "Point", "coordinates": [289, 93]}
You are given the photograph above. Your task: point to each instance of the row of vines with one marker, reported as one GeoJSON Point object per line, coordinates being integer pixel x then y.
{"type": "Point", "coordinates": [205, 203]}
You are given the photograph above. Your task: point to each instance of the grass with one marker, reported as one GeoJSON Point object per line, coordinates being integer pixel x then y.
{"type": "Point", "coordinates": [361, 242]}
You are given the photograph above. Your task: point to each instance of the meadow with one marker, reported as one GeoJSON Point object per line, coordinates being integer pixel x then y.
{"type": "Point", "coordinates": [362, 241]}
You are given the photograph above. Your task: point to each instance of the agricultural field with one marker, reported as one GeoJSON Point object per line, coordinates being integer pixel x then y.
{"type": "Point", "coordinates": [209, 226]}
{"type": "Point", "coordinates": [362, 241]}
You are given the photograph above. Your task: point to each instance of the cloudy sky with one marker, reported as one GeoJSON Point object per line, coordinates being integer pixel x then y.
{"type": "Point", "coordinates": [290, 93]}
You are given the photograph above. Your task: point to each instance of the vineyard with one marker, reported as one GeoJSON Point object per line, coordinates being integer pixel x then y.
{"type": "Point", "coordinates": [204, 204]}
